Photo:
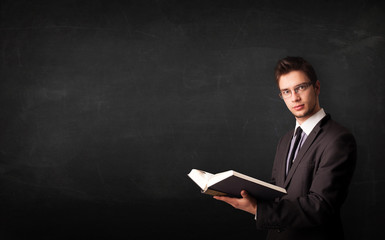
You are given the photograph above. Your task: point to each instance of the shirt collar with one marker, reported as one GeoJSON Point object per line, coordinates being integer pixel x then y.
{"type": "Point", "coordinates": [310, 123]}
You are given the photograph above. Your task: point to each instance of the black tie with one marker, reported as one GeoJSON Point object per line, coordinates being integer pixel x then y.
{"type": "Point", "coordinates": [295, 146]}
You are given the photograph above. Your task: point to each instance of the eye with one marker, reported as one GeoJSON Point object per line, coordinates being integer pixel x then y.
{"type": "Point", "coordinates": [285, 92]}
{"type": "Point", "coordinates": [301, 87]}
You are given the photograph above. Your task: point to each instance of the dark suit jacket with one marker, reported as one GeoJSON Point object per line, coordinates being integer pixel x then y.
{"type": "Point", "coordinates": [317, 185]}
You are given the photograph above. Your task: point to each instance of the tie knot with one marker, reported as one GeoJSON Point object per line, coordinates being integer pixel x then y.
{"type": "Point", "coordinates": [298, 131]}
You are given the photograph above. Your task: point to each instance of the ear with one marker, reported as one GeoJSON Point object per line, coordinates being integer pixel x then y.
{"type": "Point", "coordinates": [317, 87]}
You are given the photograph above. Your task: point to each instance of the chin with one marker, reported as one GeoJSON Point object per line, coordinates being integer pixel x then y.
{"type": "Point", "coordinates": [301, 115]}
{"type": "Point", "coordinates": [304, 113]}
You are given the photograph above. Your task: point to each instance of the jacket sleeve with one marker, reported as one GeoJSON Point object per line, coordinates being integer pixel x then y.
{"type": "Point", "coordinates": [329, 180]}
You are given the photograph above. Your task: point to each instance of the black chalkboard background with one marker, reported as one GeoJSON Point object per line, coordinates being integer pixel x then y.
{"type": "Point", "coordinates": [105, 106]}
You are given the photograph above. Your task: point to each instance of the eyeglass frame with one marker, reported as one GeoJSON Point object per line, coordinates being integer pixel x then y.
{"type": "Point", "coordinates": [296, 89]}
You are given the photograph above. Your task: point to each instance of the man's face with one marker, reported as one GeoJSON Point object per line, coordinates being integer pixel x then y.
{"type": "Point", "coordinates": [304, 103]}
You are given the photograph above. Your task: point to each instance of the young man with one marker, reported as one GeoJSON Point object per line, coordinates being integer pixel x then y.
{"type": "Point", "coordinates": [314, 163]}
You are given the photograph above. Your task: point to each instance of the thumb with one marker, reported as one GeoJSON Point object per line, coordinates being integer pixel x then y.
{"type": "Point", "coordinates": [244, 194]}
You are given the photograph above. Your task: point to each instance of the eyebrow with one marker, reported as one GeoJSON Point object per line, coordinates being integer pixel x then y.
{"type": "Point", "coordinates": [294, 86]}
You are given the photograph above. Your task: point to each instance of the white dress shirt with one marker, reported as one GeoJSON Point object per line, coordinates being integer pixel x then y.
{"type": "Point", "coordinates": [310, 123]}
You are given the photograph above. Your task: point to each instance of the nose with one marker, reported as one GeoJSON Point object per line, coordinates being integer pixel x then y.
{"type": "Point", "coordinates": [295, 97]}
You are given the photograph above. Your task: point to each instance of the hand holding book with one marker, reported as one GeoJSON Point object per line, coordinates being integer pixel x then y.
{"type": "Point", "coordinates": [247, 203]}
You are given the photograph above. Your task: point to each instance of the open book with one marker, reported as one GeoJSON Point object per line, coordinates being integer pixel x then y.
{"type": "Point", "coordinates": [231, 183]}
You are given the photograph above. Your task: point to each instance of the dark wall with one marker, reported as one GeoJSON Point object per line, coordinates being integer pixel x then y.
{"type": "Point", "coordinates": [105, 106]}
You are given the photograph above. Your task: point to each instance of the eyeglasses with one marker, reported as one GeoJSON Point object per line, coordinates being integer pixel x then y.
{"type": "Point", "coordinates": [299, 89]}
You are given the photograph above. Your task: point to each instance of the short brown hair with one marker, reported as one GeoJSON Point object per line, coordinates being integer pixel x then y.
{"type": "Point", "coordinates": [289, 64]}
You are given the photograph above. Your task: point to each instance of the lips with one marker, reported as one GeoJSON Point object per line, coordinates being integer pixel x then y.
{"type": "Point", "coordinates": [299, 107]}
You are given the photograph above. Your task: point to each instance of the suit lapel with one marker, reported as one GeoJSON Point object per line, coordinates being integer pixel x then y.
{"type": "Point", "coordinates": [306, 145]}
{"type": "Point", "coordinates": [283, 158]}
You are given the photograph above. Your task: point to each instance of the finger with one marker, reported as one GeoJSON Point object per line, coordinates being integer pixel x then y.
{"type": "Point", "coordinates": [228, 200]}
{"type": "Point", "coordinates": [222, 198]}
{"type": "Point", "coordinates": [248, 197]}
{"type": "Point", "coordinates": [244, 194]}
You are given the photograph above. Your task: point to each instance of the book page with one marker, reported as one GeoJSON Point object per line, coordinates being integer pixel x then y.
{"type": "Point", "coordinates": [200, 177]}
